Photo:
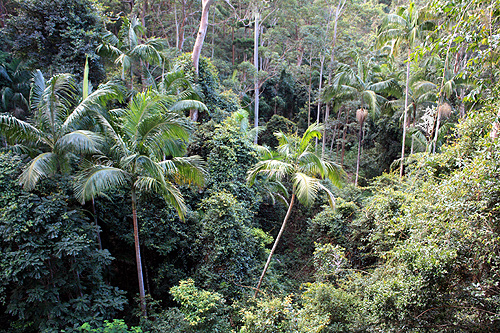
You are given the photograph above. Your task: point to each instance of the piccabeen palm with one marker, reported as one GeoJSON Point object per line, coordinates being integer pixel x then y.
{"type": "Point", "coordinates": [295, 161]}
{"type": "Point", "coordinates": [146, 155]}
{"type": "Point", "coordinates": [56, 133]}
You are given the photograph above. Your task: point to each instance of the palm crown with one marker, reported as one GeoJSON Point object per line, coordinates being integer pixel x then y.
{"type": "Point", "coordinates": [142, 137]}
{"type": "Point", "coordinates": [56, 130]}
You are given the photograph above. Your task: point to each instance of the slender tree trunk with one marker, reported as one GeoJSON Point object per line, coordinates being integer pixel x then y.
{"type": "Point", "coordinates": [213, 35]}
{"type": "Point", "coordinates": [462, 104]}
{"type": "Point", "coordinates": [275, 243]}
{"type": "Point", "coordinates": [309, 92]}
{"type": "Point", "coordinates": [256, 79]}
{"type": "Point", "coordinates": [343, 138]}
{"type": "Point", "coordinates": [334, 136]}
{"type": "Point", "coordinates": [413, 120]}
{"type": "Point", "coordinates": [438, 122]}
{"type": "Point", "coordinates": [405, 114]}
{"type": "Point", "coordinates": [202, 31]}
{"type": "Point", "coordinates": [177, 30]}
{"type": "Point", "coordinates": [142, 295]}
{"type": "Point", "coordinates": [359, 151]}
{"type": "Point", "coordinates": [322, 62]}
{"type": "Point", "coordinates": [232, 44]}
{"type": "Point", "coordinates": [327, 115]}
{"type": "Point", "coordinates": [96, 225]}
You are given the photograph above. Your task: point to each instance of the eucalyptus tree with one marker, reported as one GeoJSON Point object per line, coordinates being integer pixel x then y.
{"type": "Point", "coordinates": [295, 161]}
{"type": "Point", "coordinates": [148, 144]}
{"type": "Point", "coordinates": [404, 26]}
{"type": "Point", "coordinates": [56, 135]}
{"type": "Point", "coordinates": [202, 31]}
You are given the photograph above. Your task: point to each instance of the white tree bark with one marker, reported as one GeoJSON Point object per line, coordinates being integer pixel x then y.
{"type": "Point", "coordinates": [256, 79]}
{"type": "Point", "coordinates": [202, 31]}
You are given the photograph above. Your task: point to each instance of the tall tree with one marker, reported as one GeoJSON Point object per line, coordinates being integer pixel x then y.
{"type": "Point", "coordinates": [295, 161]}
{"type": "Point", "coordinates": [143, 135]}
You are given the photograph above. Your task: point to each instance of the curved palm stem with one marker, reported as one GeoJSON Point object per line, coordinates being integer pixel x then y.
{"type": "Point", "coordinates": [289, 211]}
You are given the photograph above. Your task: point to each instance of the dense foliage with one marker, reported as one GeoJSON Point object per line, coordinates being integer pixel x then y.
{"type": "Point", "coordinates": [371, 184]}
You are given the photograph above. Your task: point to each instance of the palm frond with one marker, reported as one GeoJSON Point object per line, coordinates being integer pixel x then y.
{"type": "Point", "coordinates": [170, 193]}
{"type": "Point", "coordinates": [306, 188]}
{"type": "Point", "coordinates": [147, 53]}
{"type": "Point", "coordinates": [184, 105]}
{"type": "Point", "coordinates": [329, 194]}
{"type": "Point", "coordinates": [55, 101]}
{"type": "Point", "coordinates": [190, 170]}
{"type": "Point", "coordinates": [96, 100]}
{"type": "Point", "coordinates": [18, 130]}
{"type": "Point", "coordinates": [37, 88]}
{"type": "Point", "coordinates": [79, 142]}
{"type": "Point", "coordinates": [97, 179]}
{"type": "Point", "coordinates": [41, 166]}
{"type": "Point", "coordinates": [313, 131]}
{"type": "Point", "coordinates": [273, 169]}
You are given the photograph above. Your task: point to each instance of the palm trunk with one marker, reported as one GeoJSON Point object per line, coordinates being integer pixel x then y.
{"type": "Point", "coordinates": [275, 243]}
{"type": "Point", "coordinates": [343, 139]}
{"type": "Point", "coordinates": [359, 152]}
{"type": "Point", "coordinates": [309, 92]}
{"type": "Point", "coordinates": [96, 225]}
{"type": "Point", "coordinates": [462, 104]}
{"type": "Point", "coordinates": [142, 295]}
{"type": "Point", "coordinates": [202, 31]}
{"type": "Point", "coordinates": [438, 122]}
{"type": "Point", "coordinates": [327, 115]}
{"type": "Point", "coordinates": [256, 79]}
{"type": "Point", "coordinates": [405, 114]}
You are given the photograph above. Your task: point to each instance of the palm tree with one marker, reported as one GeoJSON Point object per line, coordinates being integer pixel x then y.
{"type": "Point", "coordinates": [180, 93]}
{"type": "Point", "coordinates": [297, 162]}
{"type": "Point", "coordinates": [148, 144]}
{"type": "Point", "coordinates": [404, 26]}
{"type": "Point", "coordinates": [55, 135]}
{"type": "Point", "coordinates": [129, 48]}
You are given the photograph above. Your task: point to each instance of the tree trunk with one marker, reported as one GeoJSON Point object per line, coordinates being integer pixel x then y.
{"type": "Point", "coordinates": [343, 138]}
{"type": "Point", "coordinates": [327, 115]}
{"type": "Point", "coordinates": [232, 44]}
{"type": "Point", "coordinates": [438, 122]}
{"type": "Point", "coordinates": [359, 151]}
{"type": "Point", "coordinates": [322, 62]}
{"type": "Point", "coordinates": [256, 79]}
{"type": "Point", "coordinates": [405, 114]}
{"type": "Point", "coordinates": [96, 225]}
{"type": "Point", "coordinates": [275, 243]}
{"type": "Point", "coordinates": [462, 104]}
{"type": "Point", "coordinates": [309, 92]}
{"type": "Point", "coordinates": [142, 295]}
{"type": "Point", "coordinates": [202, 31]}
